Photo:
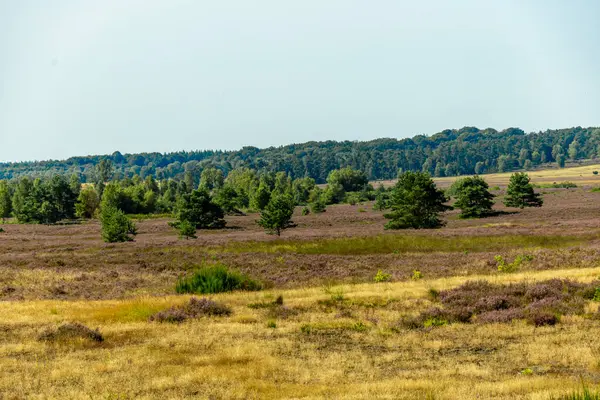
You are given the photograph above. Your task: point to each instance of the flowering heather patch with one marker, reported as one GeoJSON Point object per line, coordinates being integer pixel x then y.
{"type": "Point", "coordinates": [541, 303]}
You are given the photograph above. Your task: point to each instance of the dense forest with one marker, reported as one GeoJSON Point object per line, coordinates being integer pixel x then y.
{"type": "Point", "coordinates": [451, 152]}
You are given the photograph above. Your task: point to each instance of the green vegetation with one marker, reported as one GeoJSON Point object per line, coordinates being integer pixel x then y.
{"type": "Point", "coordinates": [397, 244]}
{"type": "Point", "coordinates": [514, 266]}
{"type": "Point", "coordinates": [415, 202]}
{"type": "Point", "coordinates": [198, 209]}
{"type": "Point", "coordinates": [382, 277]}
{"type": "Point", "coordinates": [473, 197]}
{"type": "Point", "coordinates": [520, 192]}
{"type": "Point", "coordinates": [463, 151]}
{"type": "Point", "coordinates": [215, 279]}
{"type": "Point", "coordinates": [559, 185]}
{"type": "Point", "coordinates": [116, 227]}
{"type": "Point", "coordinates": [277, 214]}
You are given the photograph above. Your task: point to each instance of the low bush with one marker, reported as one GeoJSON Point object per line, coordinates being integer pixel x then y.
{"type": "Point", "coordinates": [71, 331]}
{"type": "Point", "coordinates": [514, 266]}
{"type": "Point", "coordinates": [382, 277]}
{"type": "Point", "coordinates": [216, 279]}
{"type": "Point", "coordinates": [194, 309]}
{"type": "Point", "coordinates": [555, 185]}
{"type": "Point", "coordinates": [541, 303]}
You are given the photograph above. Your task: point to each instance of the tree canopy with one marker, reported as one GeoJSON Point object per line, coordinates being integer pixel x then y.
{"type": "Point", "coordinates": [415, 202]}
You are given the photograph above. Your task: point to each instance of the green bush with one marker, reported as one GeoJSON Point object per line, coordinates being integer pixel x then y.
{"type": "Point", "coordinates": [318, 206]}
{"type": "Point", "coordinates": [305, 211]}
{"type": "Point", "coordinates": [514, 266]}
{"type": "Point", "coordinates": [116, 227]}
{"type": "Point", "coordinates": [382, 276]}
{"type": "Point", "coordinates": [186, 230]}
{"type": "Point", "coordinates": [216, 279]}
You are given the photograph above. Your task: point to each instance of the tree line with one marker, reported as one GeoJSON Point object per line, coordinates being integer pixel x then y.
{"type": "Point", "coordinates": [464, 151]}
{"type": "Point", "coordinates": [414, 202]}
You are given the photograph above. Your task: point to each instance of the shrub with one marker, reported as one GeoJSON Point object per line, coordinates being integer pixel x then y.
{"type": "Point", "coordinates": [541, 303]}
{"type": "Point", "coordinates": [514, 266]}
{"type": "Point", "coordinates": [382, 277]}
{"type": "Point", "coordinates": [116, 227]}
{"type": "Point", "coordinates": [215, 279]}
{"type": "Point", "coordinates": [595, 172]}
{"type": "Point", "coordinates": [186, 230]}
{"type": "Point", "coordinates": [416, 275]}
{"type": "Point", "coordinates": [71, 331]}
{"type": "Point", "coordinates": [318, 206]}
{"type": "Point", "coordinates": [271, 324]}
{"type": "Point", "coordinates": [305, 210]}
{"type": "Point", "coordinates": [194, 309]}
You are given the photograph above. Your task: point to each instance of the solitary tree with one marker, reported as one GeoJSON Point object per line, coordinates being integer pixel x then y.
{"type": "Point", "coordinates": [277, 214]}
{"type": "Point", "coordinates": [473, 197]}
{"type": "Point", "coordinates": [520, 192]}
{"type": "Point", "coordinates": [116, 227]}
{"type": "Point", "coordinates": [199, 210]}
{"type": "Point", "coordinates": [415, 202]}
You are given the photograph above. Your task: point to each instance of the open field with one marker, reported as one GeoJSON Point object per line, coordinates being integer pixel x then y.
{"type": "Point", "coordinates": [338, 334]}
{"type": "Point", "coordinates": [580, 175]}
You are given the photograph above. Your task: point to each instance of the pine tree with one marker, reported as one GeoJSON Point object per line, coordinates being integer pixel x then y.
{"type": "Point", "coordinates": [198, 209]}
{"type": "Point", "coordinates": [520, 192]}
{"type": "Point", "coordinates": [116, 227]}
{"type": "Point", "coordinates": [415, 202]}
{"type": "Point", "coordinates": [277, 214]}
{"type": "Point", "coordinates": [473, 197]}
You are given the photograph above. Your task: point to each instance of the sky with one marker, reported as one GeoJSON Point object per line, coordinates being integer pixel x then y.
{"type": "Point", "coordinates": [82, 77]}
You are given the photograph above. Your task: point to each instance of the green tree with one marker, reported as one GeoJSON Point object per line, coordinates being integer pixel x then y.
{"type": "Point", "coordinates": [350, 179]}
{"type": "Point", "coordinates": [102, 174]}
{"type": "Point", "coordinates": [87, 203]}
{"type": "Point", "coordinates": [198, 209]}
{"type": "Point", "coordinates": [473, 197]}
{"type": "Point", "coordinates": [22, 191]}
{"type": "Point", "coordinates": [415, 202]}
{"type": "Point", "coordinates": [5, 200]}
{"type": "Point", "coordinates": [229, 200]}
{"type": "Point", "coordinates": [520, 193]}
{"type": "Point", "coordinates": [116, 227]}
{"type": "Point", "coordinates": [277, 214]}
{"type": "Point", "coordinates": [261, 196]}
{"type": "Point", "coordinates": [211, 178]}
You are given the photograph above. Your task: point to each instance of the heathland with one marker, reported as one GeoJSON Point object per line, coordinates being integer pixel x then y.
{"type": "Point", "coordinates": [347, 310]}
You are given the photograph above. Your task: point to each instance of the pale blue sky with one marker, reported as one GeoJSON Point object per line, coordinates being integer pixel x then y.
{"type": "Point", "coordinates": [84, 77]}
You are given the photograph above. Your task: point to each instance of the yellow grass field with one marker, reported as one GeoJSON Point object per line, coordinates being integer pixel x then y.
{"type": "Point", "coordinates": [582, 175]}
{"type": "Point", "coordinates": [314, 354]}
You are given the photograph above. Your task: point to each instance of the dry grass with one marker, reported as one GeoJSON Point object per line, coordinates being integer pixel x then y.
{"type": "Point", "coordinates": [581, 175]}
{"type": "Point", "coordinates": [343, 348]}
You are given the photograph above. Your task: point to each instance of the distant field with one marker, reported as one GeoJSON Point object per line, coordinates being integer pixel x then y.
{"type": "Point", "coordinates": [579, 175]}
